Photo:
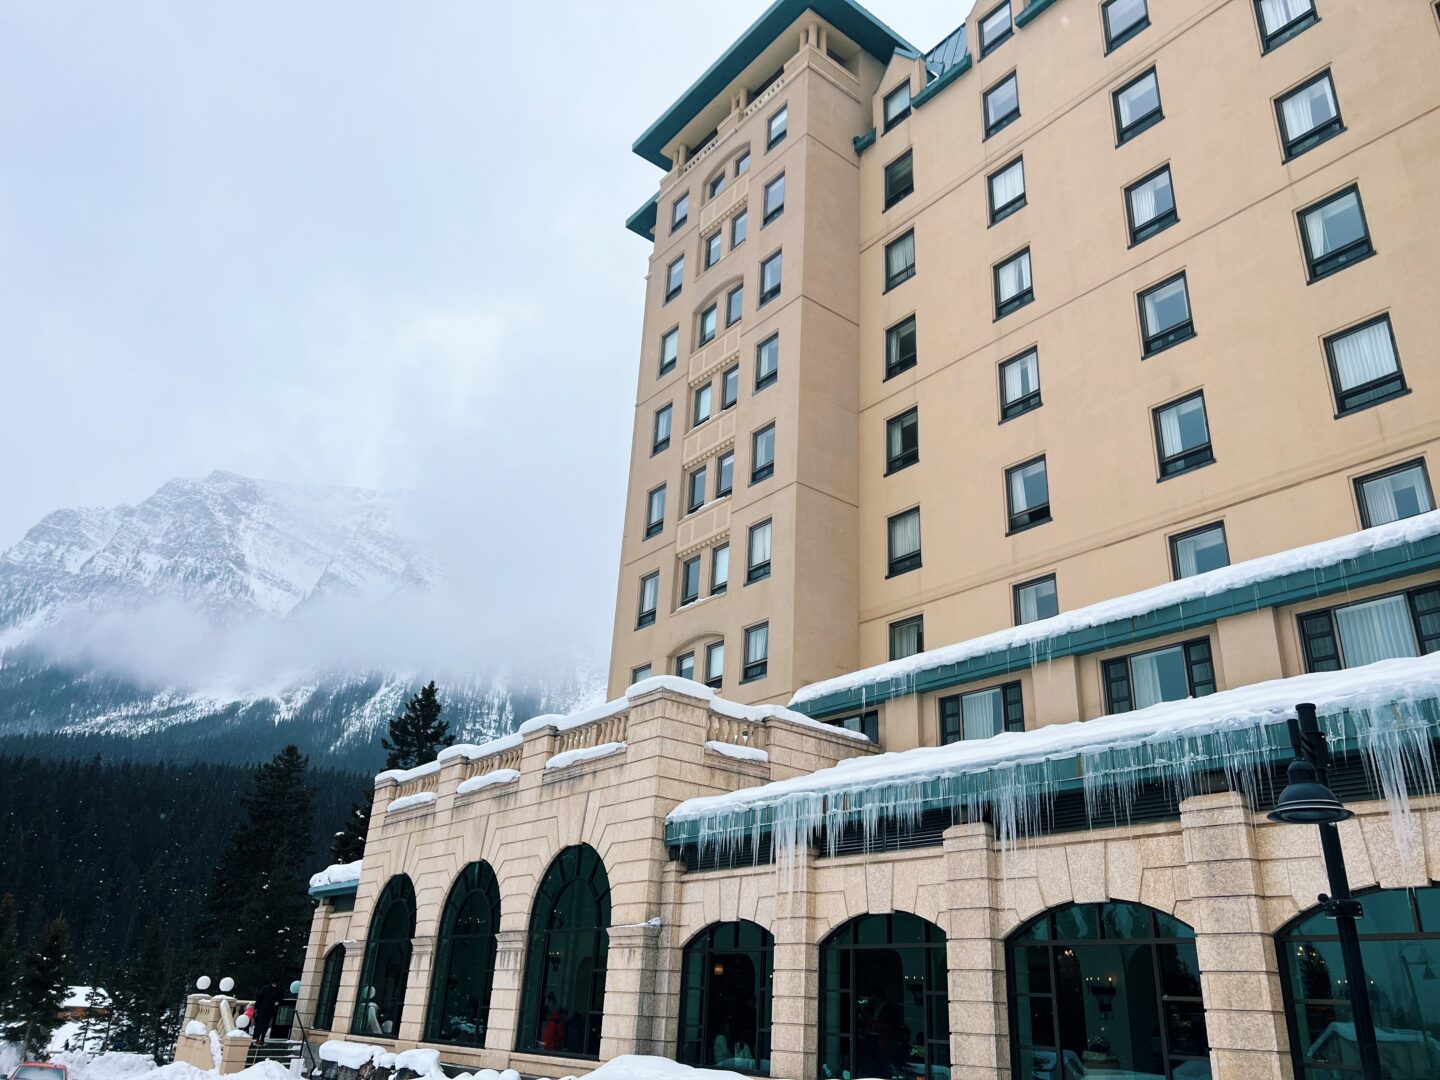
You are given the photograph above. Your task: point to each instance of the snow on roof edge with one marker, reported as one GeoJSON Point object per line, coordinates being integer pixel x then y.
{"type": "Point", "coordinates": [337, 874]}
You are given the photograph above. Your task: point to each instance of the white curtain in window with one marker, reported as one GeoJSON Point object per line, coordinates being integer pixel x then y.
{"type": "Point", "coordinates": [1333, 225]}
{"type": "Point", "coordinates": [1022, 377]}
{"type": "Point", "coordinates": [1147, 684]}
{"type": "Point", "coordinates": [649, 593]}
{"type": "Point", "coordinates": [896, 431]}
{"type": "Point", "coordinates": [715, 661]}
{"type": "Point", "coordinates": [662, 425]}
{"type": "Point", "coordinates": [904, 535]}
{"type": "Point", "coordinates": [1142, 203]}
{"type": "Point", "coordinates": [1030, 602]}
{"type": "Point", "coordinates": [900, 255]}
{"type": "Point", "coordinates": [1137, 101]}
{"type": "Point", "coordinates": [1308, 109]}
{"type": "Point", "coordinates": [904, 640]}
{"type": "Point", "coordinates": [1363, 355]}
{"type": "Point", "coordinates": [1379, 630]}
{"type": "Point", "coordinates": [1028, 487]}
{"type": "Point", "coordinates": [1166, 306]}
{"type": "Point", "coordinates": [1172, 442]}
{"type": "Point", "coordinates": [1007, 186]}
{"type": "Point", "coordinates": [1380, 501]}
{"type": "Point", "coordinates": [1189, 550]}
{"type": "Point", "coordinates": [980, 714]}
{"type": "Point", "coordinates": [1278, 13]}
{"type": "Point", "coordinates": [1015, 277]}
{"type": "Point", "coordinates": [757, 644]}
{"type": "Point", "coordinates": [760, 545]}
{"type": "Point", "coordinates": [720, 572]}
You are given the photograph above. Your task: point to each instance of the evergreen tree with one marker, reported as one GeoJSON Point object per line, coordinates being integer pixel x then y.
{"type": "Point", "coordinates": [95, 1030]}
{"type": "Point", "coordinates": [257, 917]}
{"type": "Point", "coordinates": [418, 734]}
{"type": "Point", "coordinates": [40, 990]}
{"type": "Point", "coordinates": [349, 843]}
{"type": "Point", "coordinates": [145, 1014]}
{"type": "Point", "coordinates": [9, 953]}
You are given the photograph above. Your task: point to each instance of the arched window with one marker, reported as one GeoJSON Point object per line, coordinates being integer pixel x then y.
{"type": "Point", "coordinates": [329, 987]}
{"type": "Point", "coordinates": [564, 994]}
{"type": "Point", "coordinates": [387, 961]}
{"type": "Point", "coordinates": [1400, 944]}
{"type": "Point", "coordinates": [725, 998]}
{"type": "Point", "coordinates": [884, 1008]}
{"type": "Point", "coordinates": [1106, 989]}
{"type": "Point", "coordinates": [465, 959]}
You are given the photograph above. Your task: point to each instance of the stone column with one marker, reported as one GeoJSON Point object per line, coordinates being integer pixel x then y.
{"type": "Point", "coordinates": [979, 1026]}
{"type": "Point", "coordinates": [316, 946]}
{"type": "Point", "coordinates": [795, 990]}
{"type": "Point", "coordinates": [1239, 977]}
{"type": "Point", "coordinates": [630, 1024]}
{"type": "Point", "coordinates": [417, 990]}
{"type": "Point", "coordinates": [503, 1028]}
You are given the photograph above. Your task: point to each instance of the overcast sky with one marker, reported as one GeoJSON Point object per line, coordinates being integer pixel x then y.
{"type": "Point", "coordinates": [341, 242]}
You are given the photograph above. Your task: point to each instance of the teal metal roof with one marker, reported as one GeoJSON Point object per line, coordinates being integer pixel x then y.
{"type": "Point", "coordinates": [342, 888]}
{"type": "Point", "coordinates": [642, 221]}
{"type": "Point", "coordinates": [1031, 9]}
{"type": "Point", "coordinates": [848, 17]}
{"type": "Point", "coordinates": [1372, 568]}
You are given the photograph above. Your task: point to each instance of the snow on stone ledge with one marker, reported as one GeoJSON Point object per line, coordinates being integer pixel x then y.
{"type": "Point", "coordinates": [349, 1055]}
{"type": "Point", "coordinates": [1372, 687]}
{"type": "Point", "coordinates": [405, 802]}
{"type": "Point", "coordinates": [567, 758]}
{"type": "Point", "coordinates": [401, 775]}
{"type": "Point", "coordinates": [489, 779]}
{"type": "Point", "coordinates": [1238, 575]}
{"type": "Point", "coordinates": [736, 751]}
{"type": "Point", "coordinates": [476, 751]}
{"type": "Point", "coordinates": [337, 874]}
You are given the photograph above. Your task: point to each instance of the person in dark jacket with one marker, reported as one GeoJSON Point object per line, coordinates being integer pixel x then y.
{"type": "Point", "coordinates": [266, 1002]}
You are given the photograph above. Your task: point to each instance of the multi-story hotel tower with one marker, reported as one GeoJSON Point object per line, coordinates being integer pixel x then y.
{"type": "Point", "coordinates": [1055, 409]}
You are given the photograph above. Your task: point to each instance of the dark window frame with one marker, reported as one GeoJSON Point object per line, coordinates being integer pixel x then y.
{"type": "Point", "coordinates": [950, 708]}
{"type": "Point", "coordinates": [665, 368]}
{"type": "Point", "coordinates": [1020, 586]}
{"type": "Point", "coordinates": [1126, 132]}
{"type": "Point", "coordinates": [734, 309]}
{"type": "Point", "coordinates": [1404, 466]}
{"type": "Point", "coordinates": [686, 596]}
{"type": "Point", "coordinates": [895, 462]}
{"type": "Point", "coordinates": [1032, 516]}
{"type": "Point", "coordinates": [1376, 391]}
{"type": "Point", "coordinates": [1010, 117]}
{"type": "Point", "coordinates": [1000, 213]}
{"type": "Point", "coordinates": [867, 723]}
{"type": "Point", "coordinates": [671, 294]}
{"type": "Point", "coordinates": [886, 120]}
{"type": "Point", "coordinates": [714, 248]}
{"type": "Point", "coordinates": [896, 280]}
{"type": "Point", "coordinates": [1113, 43]}
{"type": "Point", "coordinates": [696, 481]}
{"type": "Point", "coordinates": [988, 47]}
{"type": "Point", "coordinates": [1160, 222]}
{"type": "Point", "coordinates": [1153, 344]}
{"type": "Point", "coordinates": [1293, 146]}
{"type": "Point", "coordinates": [635, 676]}
{"type": "Point", "coordinates": [767, 470]}
{"type": "Point", "coordinates": [758, 571]}
{"type": "Point", "coordinates": [1319, 624]}
{"type": "Point", "coordinates": [764, 379]}
{"type": "Point", "coordinates": [646, 616]}
{"type": "Point", "coordinates": [1024, 296]}
{"type": "Point", "coordinates": [715, 681]}
{"type": "Point", "coordinates": [679, 217]}
{"type": "Point", "coordinates": [740, 222]}
{"type": "Point", "coordinates": [902, 564]}
{"type": "Point", "coordinates": [752, 671]}
{"type": "Point", "coordinates": [771, 139]}
{"type": "Point", "coordinates": [892, 197]}
{"type": "Point", "coordinates": [1173, 541]}
{"type": "Point", "coordinates": [655, 527]}
{"type": "Point", "coordinates": [657, 444]}
{"type": "Point", "coordinates": [1198, 653]}
{"type": "Point", "coordinates": [720, 492]}
{"type": "Point", "coordinates": [892, 370]}
{"type": "Point", "coordinates": [766, 295]}
{"type": "Point", "coordinates": [1009, 410]}
{"type": "Point", "coordinates": [768, 215]}
{"type": "Point", "coordinates": [903, 624]}
{"type": "Point", "coordinates": [1334, 261]}
{"type": "Point", "coordinates": [707, 389]}
{"type": "Point", "coordinates": [727, 399]}
{"type": "Point", "coordinates": [1188, 460]}
{"type": "Point", "coordinates": [718, 588]}
{"type": "Point", "coordinates": [700, 338]}
{"type": "Point", "coordinates": [1270, 40]}
{"type": "Point", "coordinates": [680, 661]}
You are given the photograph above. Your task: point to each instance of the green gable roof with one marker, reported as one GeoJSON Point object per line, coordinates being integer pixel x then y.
{"type": "Point", "coordinates": [848, 17]}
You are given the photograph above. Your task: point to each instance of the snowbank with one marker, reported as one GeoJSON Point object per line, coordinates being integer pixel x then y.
{"type": "Point", "coordinates": [350, 1055]}
{"type": "Point", "coordinates": [337, 874]}
{"type": "Point", "coordinates": [78, 997]}
{"type": "Point", "coordinates": [1311, 557]}
{"type": "Point", "coordinates": [489, 779]}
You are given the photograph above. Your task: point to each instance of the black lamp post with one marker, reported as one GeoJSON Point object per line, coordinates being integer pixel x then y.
{"type": "Point", "coordinates": [1307, 801]}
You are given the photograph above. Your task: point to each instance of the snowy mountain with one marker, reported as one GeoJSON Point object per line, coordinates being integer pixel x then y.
{"type": "Point", "coordinates": [228, 610]}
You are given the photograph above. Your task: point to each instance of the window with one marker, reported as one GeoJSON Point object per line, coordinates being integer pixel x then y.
{"type": "Point", "coordinates": [697, 490]}
{"type": "Point", "coordinates": [902, 440]}
{"type": "Point", "coordinates": [1007, 190]}
{"type": "Point", "coordinates": [1123, 20]}
{"type": "Point", "coordinates": [900, 260]}
{"type": "Point", "coordinates": [720, 570]}
{"type": "Point", "coordinates": [767, 362]}
{"type": "Point", "coordinates": [1280, 20]}
{"type": "Point", "coordinates": [730, 387]}
{"type": "Point", "coordinates": [777, 127]}
{"type": "Point", "coordinates": [742, 163]}
{"type": "Point", "coordinates": [674, 278]}
{"type": "Point", "coordinates": [716, 185]}
{"type": "Point", "coordinates": [685, 665]}
{"type": "Point", "coordinates": [386, 969]}
{"type": "Point", "coordinates": [1020, 385]}
{"type": "Point", "coordinates": [726, 974]}
{"type": "Point", "coordinates": [712, 249]}
{"type": "Point", "coordinates": [1364, 365]}
{"type": "Point", "coordinates": [661, 439]}
{"type": "Point", "coordinates": [995, 29]}
{"type": "Point", "coordinates": [900, 347]}
{"type": "Point", "coordinates": [903, 542]}
{"type": "Point", "coordinates": [1148, 678]}
{"type": "Point", "coordinates": [737, 228]}
{"type": "Point", "coordinates": [1182, 436]}
{"type": "Point", "coordinates": [1165, 315]}
{"type": "Point", "coordinates": [762, 454]}
{"type": "Point", "coordinates": [899, 178]}
{"type": "Point", "coordinates": [907, 637]}
{"type": "Point", "coordinates": [669, 350]}
{"type": "Point", "coordinates": [464, 966]}
{"type": "Point", "coordinates": [1137, 107]}
{"type": "Point", "coordinates": [1335, 234]}
{"type": "Point", "coordinates": [655, 512]}
{"type": "Point", "coordinates": [1352, 635]}
{"type": "Point", "coordinates": [1401, 492]}
{"type": "Point", "coordinates": [897, 105]}
{"type": "Point", "coordinates": [690, 581]}
{"type": "Point", "coordinates": [981, 714]}
{"type": "Point", "coordinates": [701, 411]}
{"type": "Point", "coordinates": [715, 664]}
{"type": "Point", "coordinates": [1309, 115]}
{"type": "Point", "coordinates": [1002, 104]}
{"type": "Point", "coordinates": [649, 599]}
{"type": "Point", "coordinates": [1012, 284]}
{"type": "Point", "coordinates": [724, 474]}
{"type": "Point", "coordinates": [640, 674]}
{"type": "Point", "coordinates": [770, 279]}
{"type": "Point", "coordinates": [708, 319]}
{"type": "Point", "coordinates": [774, 200]}
{"type": "Point", "coordinates": [1199, 551]}
{"type": "Point", "coordinates": [1036, 600]}
{"type": "Point", "coordinates": [324, 1017]}
{"type": "Point", "coordinates": [1027, 489]}
{"type": "Point", "coordinates": [757, 548]}
{"type": "Point", "coordinates": [1150, 204]}
{"type": "Point", "coordinates": [757, 652]}
{"type": "Point", "coordinates": [734, 305]}
{"type": "Point", "coordinates": [866, 723]}
{"type": "Point", "coordinates": [680, 212]}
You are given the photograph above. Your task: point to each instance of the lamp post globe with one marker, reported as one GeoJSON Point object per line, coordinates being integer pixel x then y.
{"type": "Point", "coordinates": [1306, 801]}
